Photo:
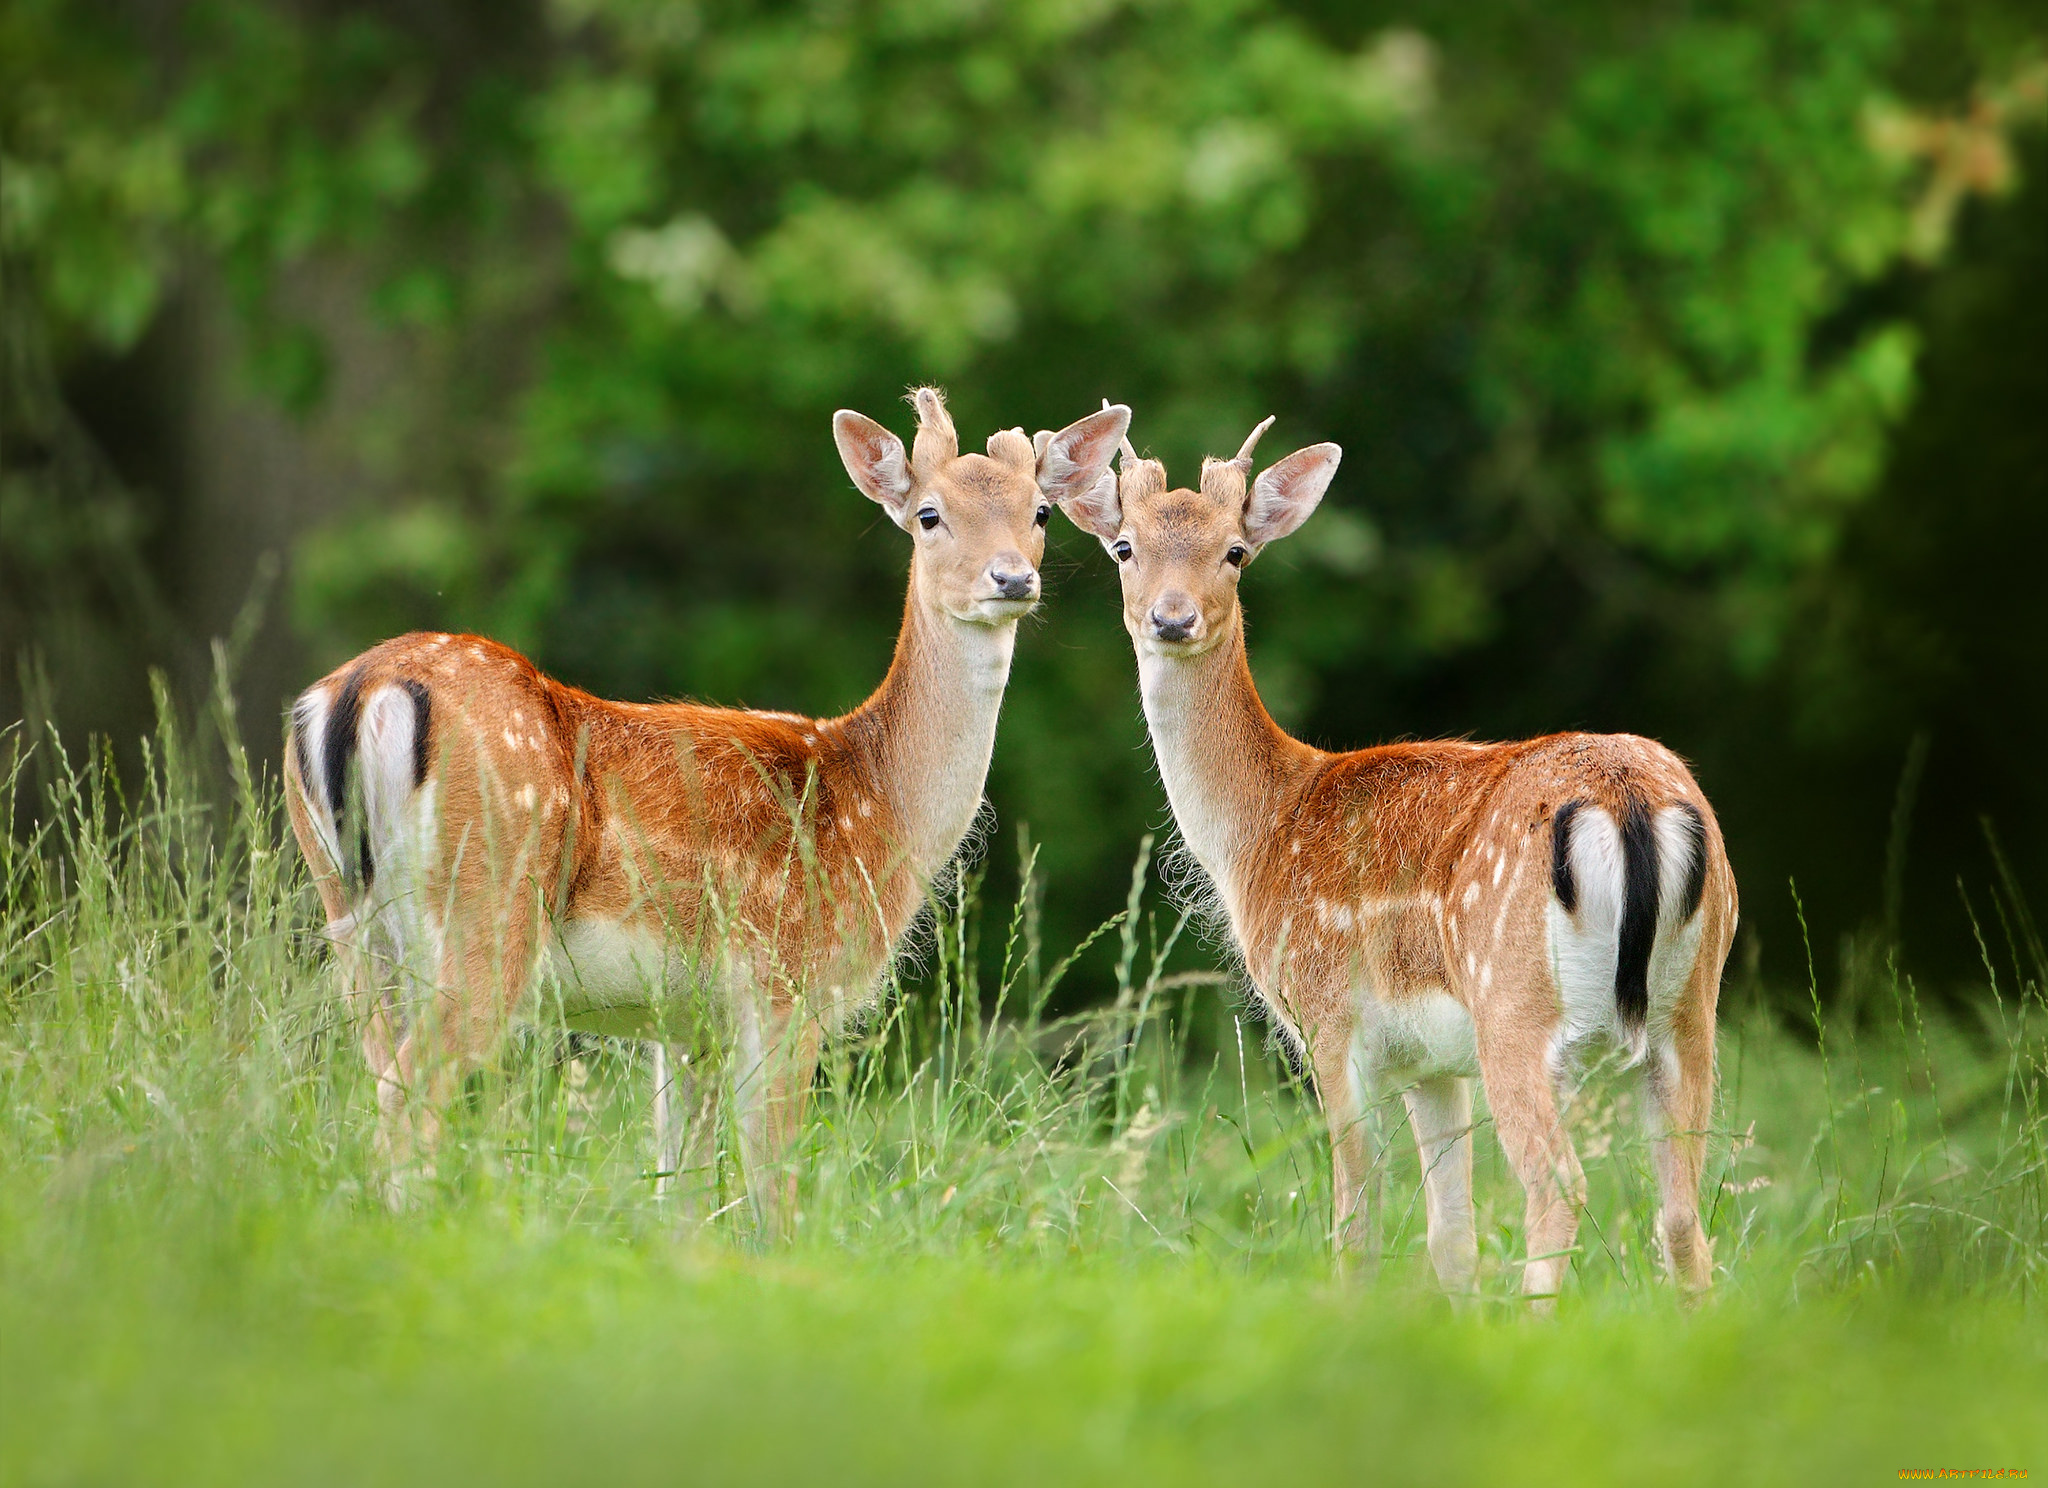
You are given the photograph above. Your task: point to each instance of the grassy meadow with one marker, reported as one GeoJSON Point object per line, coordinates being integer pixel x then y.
{"type": "Point", "coordinates": [1033, 1248]}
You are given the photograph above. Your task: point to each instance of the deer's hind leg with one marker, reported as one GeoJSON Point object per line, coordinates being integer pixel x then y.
{"type": "Point", "coordinates": [444, 1025]}
{"type": "Point", "coordinates": [1520, 1089]}
{"type": "Point", "coordinates": [367, 976]}
{"type": "Point", "coordinates": [384, 974]}
{"type": "Point", "coordinates": [391, 983]}
{"type": "Point", "coordinates": [1680, 1083]}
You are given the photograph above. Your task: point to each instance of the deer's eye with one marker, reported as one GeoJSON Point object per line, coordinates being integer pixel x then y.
{"type": "Point", "coordinates": [1237, 555]}
{"type": "Point", "coordinates": [1044, 515]}
{"type": "Point", "coordinates": [928, 517]}
{"type": "Point", "coordinates": [1122, 550]}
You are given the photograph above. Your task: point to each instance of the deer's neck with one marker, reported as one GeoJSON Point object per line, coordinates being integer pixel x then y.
{"type": "Point", "coordinates": [1229, 769]}
{"type": "Point", "coordinates": [930, 728]}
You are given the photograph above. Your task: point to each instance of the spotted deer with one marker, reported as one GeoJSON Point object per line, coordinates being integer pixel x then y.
{"type": "Point", "coordinates": [478, 831]}
{"type": "Point", "coordinates": [1414, 915]}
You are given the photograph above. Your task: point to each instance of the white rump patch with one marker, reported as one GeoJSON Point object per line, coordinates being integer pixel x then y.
{"type": "Point", "coordinates": [1678, 941]}
{"type": "Point", "coordinates": [309, 730]}
{"type": "Point", "coordinates": [384, 748]}
{"type": "Point", "coordinates": [401, 822]}
{"type": "Point", "coordinates": [1584, 946]}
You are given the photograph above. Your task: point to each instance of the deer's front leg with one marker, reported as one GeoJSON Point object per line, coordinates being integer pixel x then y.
{"type": "Point", "coordinates": [1440, 1111]}
{"type": "Point", "coordinates": [677, 1122]}
{"type": "Point", "coordinates": [1354, 1165]}
{"type": "Point", "coordinates": [777, 1055]}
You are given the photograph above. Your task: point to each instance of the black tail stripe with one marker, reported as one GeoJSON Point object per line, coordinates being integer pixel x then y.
{"type": "Point", "coordinates": [422, 728]}
{"type": "Point", "coordinates": [1638, 914]}
{"type": "Point", "coordinates": [1562, 883]}
{"type": "Point", "coordinates": [1696, 869]}
{"type": "Point", "coordinates": [343, 722]}
{"type": "Point", "coordinates": [343, 719]}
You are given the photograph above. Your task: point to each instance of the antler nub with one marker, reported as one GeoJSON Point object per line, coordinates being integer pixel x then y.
{"type": "Point", "coordinates": [1251, 442]}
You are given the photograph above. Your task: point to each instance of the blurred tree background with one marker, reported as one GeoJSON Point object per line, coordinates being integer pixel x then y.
{"type": "Point", "coordinates": [1690, 362]}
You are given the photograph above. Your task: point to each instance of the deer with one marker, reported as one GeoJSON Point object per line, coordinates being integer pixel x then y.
{"type": "Point", "coordinates": [1417, 915]}
{"type": "Point", "coordinates": [483, 836]}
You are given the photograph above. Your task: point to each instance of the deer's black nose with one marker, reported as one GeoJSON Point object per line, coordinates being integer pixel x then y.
{"type": "Point", "coordinates": [1174, 618]}
{"type": "Point", "coordinates": [1013, 577]}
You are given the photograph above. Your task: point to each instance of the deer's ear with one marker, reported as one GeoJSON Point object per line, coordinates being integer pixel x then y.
{"type": "Point", "coordinates": [1073, 460]}
{"type": "Point", "coordinates": [1097, 511]}
{"type": "Point", "coordinates": [875, 459]}
{"type": "Point", "coordinates": [1286, 492]}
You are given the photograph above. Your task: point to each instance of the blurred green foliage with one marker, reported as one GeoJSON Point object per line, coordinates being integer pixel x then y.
{"type": "Point", "coordinates": [1594, 296]}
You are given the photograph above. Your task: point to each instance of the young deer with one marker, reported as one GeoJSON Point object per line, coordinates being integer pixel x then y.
{"type": "Point", "coordinates": [1416, 914]}
{"type": "Point", "coordinates": [469, 820]}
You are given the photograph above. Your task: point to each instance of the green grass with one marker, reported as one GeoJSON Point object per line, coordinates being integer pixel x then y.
{"type": "Point", "coordinates": [1032, 1249]}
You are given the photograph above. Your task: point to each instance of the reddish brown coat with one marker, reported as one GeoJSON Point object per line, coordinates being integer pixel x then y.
{"type": "Point", "coordinates": [689, 870]}
{"type": "Point", "coordinates": [1396, 907]}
